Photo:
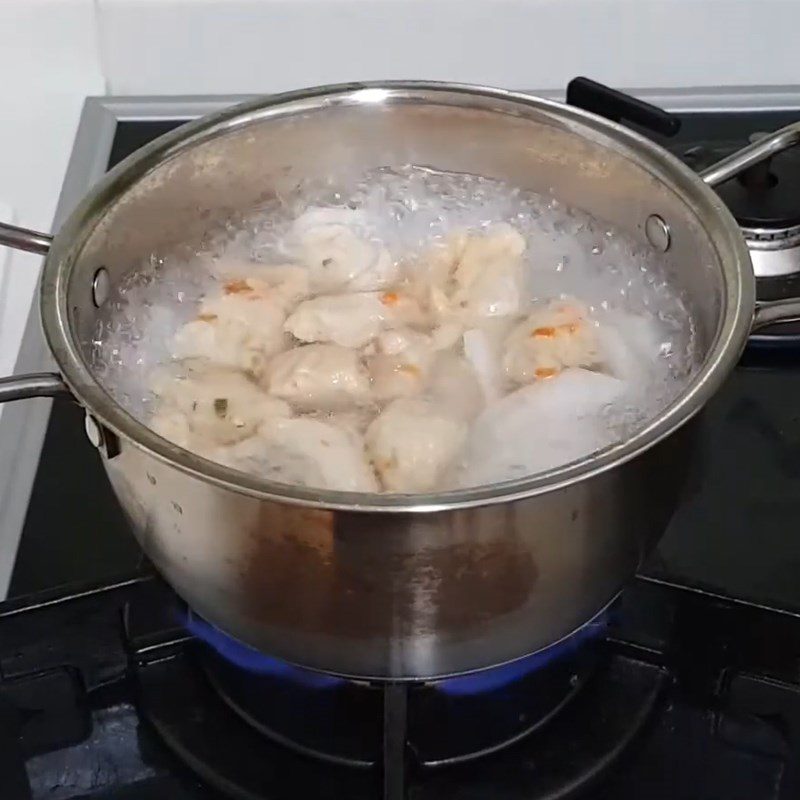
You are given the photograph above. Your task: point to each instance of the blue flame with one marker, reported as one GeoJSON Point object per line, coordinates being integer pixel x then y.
{"type": "Point", "coordinates": [254, 661]}
{"type": "Point", "coordinates": [486, 680]}
{"type": "Point", "coordinates": [489, 680]}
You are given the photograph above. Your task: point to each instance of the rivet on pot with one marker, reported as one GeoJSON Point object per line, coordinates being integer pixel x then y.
{"type": "Point", "coordinates": [104, 440]}
{"type": "Point", "coordinates": [657, 232]}
{"type": "Point", "coordinates": [101, 285]}
{"type": "Point", "coordinates": [93, 430]}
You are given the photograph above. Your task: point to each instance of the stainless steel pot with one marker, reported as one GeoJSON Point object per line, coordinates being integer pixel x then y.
{"type": "Point", "coordinates": [397, 586]}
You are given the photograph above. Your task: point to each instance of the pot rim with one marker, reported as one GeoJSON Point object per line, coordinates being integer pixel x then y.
{"type": "Point", "coordinates": [718, 223]}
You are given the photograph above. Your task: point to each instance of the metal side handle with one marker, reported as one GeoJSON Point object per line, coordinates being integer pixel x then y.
{"type": "Point", "coordinates": [751, 155]}
{"type": "Point", "coordinates": [25, 239]}
{"type": "Point", "coordinates": [772, 311]}
{"type": "Point", "coordinates": [40, 384]}
{"type": "Point", "coordinates": [769, 312]}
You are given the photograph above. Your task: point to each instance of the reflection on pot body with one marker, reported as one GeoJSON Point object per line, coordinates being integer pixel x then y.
{"type": "Point", "coordinates": [400, 595]}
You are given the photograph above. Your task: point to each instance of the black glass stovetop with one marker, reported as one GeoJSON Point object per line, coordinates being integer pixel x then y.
{"type": "Point", "coordinates": [103, 695]}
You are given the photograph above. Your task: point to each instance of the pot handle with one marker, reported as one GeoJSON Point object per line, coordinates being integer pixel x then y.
{"type": "Point", "coordinates": [24, 239]}
{"type": "Point", "coordinates": [772, 311]}
{"type": "Point", "coordinates": [769, 312]}
{"type": "Point", "coordinates": [41, 384]}
{"type": "Point", "coordinates": [753, 154]}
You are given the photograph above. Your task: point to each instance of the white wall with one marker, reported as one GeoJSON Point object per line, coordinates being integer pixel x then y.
{"type": "Point", "coordinates": [221, 46]}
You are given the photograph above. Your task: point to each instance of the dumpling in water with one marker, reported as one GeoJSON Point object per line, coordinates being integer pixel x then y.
{"type": "Point", "coordinates": [400, 363]}
{"type": "Point", "coordinates": [631, 347]}
{"type": "Point", "coordinates": [552, 338]}
{"type": "Point", "coordinates": [304, 451]}
{"type": "Point", "coordinates": [285, 284]}
{"type": "Point", "coordinates": [332, 244]}
{"type": "Point", "coordinates": [241, 328]}
{"type": "Point", "coordinates": [474, 276]}
{"type": "Point", "coordinates": [353, 420]}
{"type": "Point", "coordinates": [454, 386]}
{"type": "Point", "coordinates": [412, 443]}
{"type": "Point", "coordinates": [540, 427]}
{"type": "Point", "coordinates": [351, 320]}
{"type": "Point", "coordinates": [403, 308]}
{"type": "Point", "coordinates": [319, 376]}
{"type": "Point", "coordinates": [207, 405]}
{"type": "Point", "coordinates": [483, 348]}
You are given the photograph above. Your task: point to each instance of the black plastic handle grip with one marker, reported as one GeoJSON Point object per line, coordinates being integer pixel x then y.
{"type": "Point", "coordinates": [617, 106]}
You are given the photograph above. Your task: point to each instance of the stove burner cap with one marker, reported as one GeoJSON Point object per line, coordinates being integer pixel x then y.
{"type": "Point", "coordinates": [765, 199]}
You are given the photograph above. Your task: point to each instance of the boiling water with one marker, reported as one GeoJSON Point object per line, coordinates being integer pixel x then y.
{"type": "Point", "coordinates": [568, 254]}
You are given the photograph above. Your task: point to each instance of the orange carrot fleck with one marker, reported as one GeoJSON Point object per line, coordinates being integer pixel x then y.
{"type": "Point", "coordinates": [543, 373]}
{"type": "Point", "coordinates": [237, 287]}
{"type": "Point", "coordinates": [206, 317]}
{"type": "Point", "coordinates": [546, 332]}
{"type": "Point", "coordinates": [390, 298]}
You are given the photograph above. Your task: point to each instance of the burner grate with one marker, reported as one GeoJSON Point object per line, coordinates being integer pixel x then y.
{"type": "Point", "coordinates": [345, 723]}
{"type": "Point", "coordinates": [581, 743]}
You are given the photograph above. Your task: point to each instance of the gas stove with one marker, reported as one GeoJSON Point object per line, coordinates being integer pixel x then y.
{"type": "Point", "coordinates": [107, 694]}
{"type": "Point", "coordinates": [688, 686]}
